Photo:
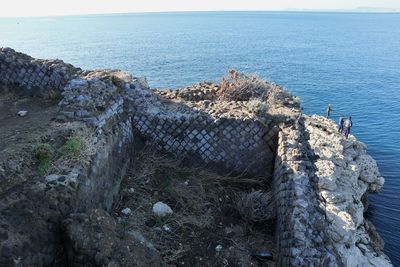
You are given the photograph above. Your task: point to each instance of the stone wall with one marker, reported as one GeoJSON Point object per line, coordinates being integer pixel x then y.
{"type": "Point", "coordinates": [320, 180]}
{"type": "Point", "coordinates": [79, 187]}
{"type": "Point", "coordinates": [51, 199]}
{"type": "Point", "coordinates": [33, 76]}
{"type": "Point", "coordinates": [99, 186]}
{"type": "Point", "coordinates": [226, 145]}
{"type": "Point", "coordinates": [298, 233]}
{"type": "Point", "coordinates": [192, 131]}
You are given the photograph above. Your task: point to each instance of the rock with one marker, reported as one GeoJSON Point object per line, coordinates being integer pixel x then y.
{"type": "Point", "coordinates": [218, 248]}
{"type": "Point", "coordinates": [52, 178]}
{"type": "Point", "coordinates": [167, 228]}
{"type": "Point", "coordinates": [22, 113]}
{"type": "Point", "coordinates": [369, 170]}
{"type": "Point", "coordinates": [325, 172]}
{"type": "Point", "coordinates": [127, 211]}
{"type": "Point", "coordinates": [83, 113]}
{"type": "Point", "coordinates": [344, 173]}
{"type": "Point", "coordinates": [161, 209]}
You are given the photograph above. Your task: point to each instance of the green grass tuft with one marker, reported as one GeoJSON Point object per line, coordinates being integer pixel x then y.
{"type": "Point", "coordinates": [44, 154]}
{"type": "Point", "coordinates": [73, 147]}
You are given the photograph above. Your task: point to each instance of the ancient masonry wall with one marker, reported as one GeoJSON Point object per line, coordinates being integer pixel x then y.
{"type": "Point", "coordinates": [225, 145]}
{"type": "Point", "coordinates": [298, 232]}
{"type": "Point", "coordinates": [99, 186]}
{"type": "Point", "coordinates": [51, 199]}
{"type": "Point", "coordinates": [33, 76]}
{"type": "Point", "coordinates": [97, 103]}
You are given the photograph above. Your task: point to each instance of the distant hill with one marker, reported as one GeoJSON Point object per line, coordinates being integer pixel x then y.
{"type": "Point", "coordinates": [365, 9]}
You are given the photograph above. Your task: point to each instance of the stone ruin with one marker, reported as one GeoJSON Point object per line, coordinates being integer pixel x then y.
{"type": "Point", "coordinates": [319, 178]}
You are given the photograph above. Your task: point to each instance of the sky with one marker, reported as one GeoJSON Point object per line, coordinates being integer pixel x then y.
{"type": "Point", "coordinates": [17, 8]}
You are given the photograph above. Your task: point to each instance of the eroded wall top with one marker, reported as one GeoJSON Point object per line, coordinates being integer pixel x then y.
{"type": "Point", "coordinates": [33, 76]}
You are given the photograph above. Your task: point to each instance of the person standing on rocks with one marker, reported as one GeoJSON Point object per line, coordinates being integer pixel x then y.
{"type": "Point", "coordinates": [347, 126]}
{"type": "Point", "coordinates": [341, 123]}
{"type": "Point", "coordinates": [328, 111]}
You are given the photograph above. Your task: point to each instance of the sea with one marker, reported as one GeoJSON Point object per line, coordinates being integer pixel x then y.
{"type": "Point", "coordinates": [348, 60]}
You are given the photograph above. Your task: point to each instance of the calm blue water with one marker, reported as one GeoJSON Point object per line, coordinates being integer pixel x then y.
{"type": "Point", "coordinates": [349, 60]}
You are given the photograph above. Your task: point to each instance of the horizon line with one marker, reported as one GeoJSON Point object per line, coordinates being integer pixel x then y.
{"type": "Point", "coordinates": [357, 10]}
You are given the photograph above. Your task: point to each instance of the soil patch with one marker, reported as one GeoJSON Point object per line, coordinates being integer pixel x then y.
{"type": "Point", "coordinates": [206, 227]}
{"type": "Point", "coordinates": [20, 136]}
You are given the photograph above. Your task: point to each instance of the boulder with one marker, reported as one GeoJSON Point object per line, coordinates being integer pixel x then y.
{"type": "Point", "coordinates": [161, 209]}
{"type": "Point", "coordinates": [22, 113]}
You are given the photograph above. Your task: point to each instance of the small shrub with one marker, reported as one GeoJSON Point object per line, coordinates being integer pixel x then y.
{"type": "Point", "coordinates": [118, 82]}
{"type": "Point", "coordinates": [242, 87]}
{"type": "Point", "coordinates": [52, 95]}
{"type": "Point", "coordinates": [73, 147]}
{"type": "Point", "coordinates": [6, 95]}
{"type": "Point", "coordinates": [257, 106]}
{"type": "Point", "coordinates": [280, 97]}
{"type": "Point", "coordinates": [181, 174]}
{"type": "Point", "coordinates": [44, 167]}
{"type": "Point", "coordinates": [77, 150]}
{"type": "Point", "coordinates": [256, 206]}
{"type": "Point", "coordinates": [44, 154]}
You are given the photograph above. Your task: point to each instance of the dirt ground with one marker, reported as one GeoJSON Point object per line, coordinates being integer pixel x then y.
{"type": "Point", "coordinates": [19, 135]}
{"type": "Point", "coordinates": [206, 228]}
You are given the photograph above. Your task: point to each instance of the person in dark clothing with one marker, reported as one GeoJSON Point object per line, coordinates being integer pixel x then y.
{"type": "Point", "coordinates": [341, 123]}
{"type": "Point", "coordinates": [328, 111]}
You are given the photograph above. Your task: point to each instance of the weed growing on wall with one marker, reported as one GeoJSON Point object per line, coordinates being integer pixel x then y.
{"type": "Point", "coordinates": [73, 147]}
{"type": "Point", "coordinates": [76, 150]}
{"type": "Point", "coordinates": [44, 154]}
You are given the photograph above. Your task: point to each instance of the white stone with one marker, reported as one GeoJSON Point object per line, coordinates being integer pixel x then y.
{"type": "Point", "coordinates": [218, 248]}
{"type": "Point", "coordinates": [127, 211]}
{"type": "Point", "coordinates": [52, 178]}
{"type": "Point", "coordinates": [167, 228]}
{"type": "Point", "coordinates": [161, 209]}
{"type": "Point", "coordinates": [22, 113]}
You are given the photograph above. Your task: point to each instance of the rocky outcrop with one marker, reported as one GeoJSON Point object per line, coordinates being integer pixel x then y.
{"type": "Point", "coordinates": [319, 177]}
{"type": "Point", "coordinates": [319, 182]}
{"type": "Point", "coordinates": [345, 173]}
